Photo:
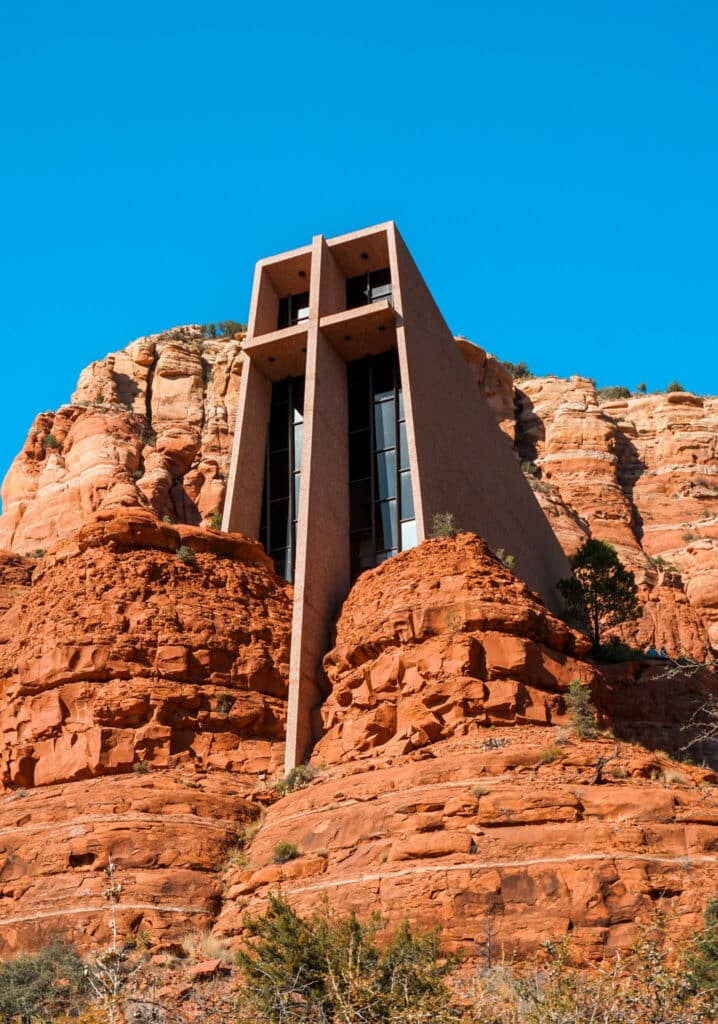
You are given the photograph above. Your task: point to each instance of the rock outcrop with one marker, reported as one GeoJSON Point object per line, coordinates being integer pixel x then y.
{"type": "Point", "coordinates": [142, 703]}
{"type": "Point", "coordinates": [441, 641]}
{"type": "Point", "coordinates": [445, 792]}
{"type": "Point", "coordinates": [152, 426]}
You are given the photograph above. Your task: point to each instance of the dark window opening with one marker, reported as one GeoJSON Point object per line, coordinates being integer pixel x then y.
{"type": "Point", "coordinates": [282, 469]}
{"type": "Point", "coordinates": [381, 503]}
{"type": "Point", "coordinates": [293, 309]}
{"type": "Point", "coordinates": [367, 288]}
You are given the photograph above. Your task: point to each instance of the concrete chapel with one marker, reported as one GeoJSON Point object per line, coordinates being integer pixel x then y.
{"type": "Point", "coordinates": [358, 421]}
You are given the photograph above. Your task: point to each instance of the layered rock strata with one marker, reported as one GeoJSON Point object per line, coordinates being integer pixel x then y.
{"type": "Point", "coordinates": [142, 703]}
{"type": "Point", "coordinates": [452, 790]}
{"type": "Point", "coordinates": [152, 425]}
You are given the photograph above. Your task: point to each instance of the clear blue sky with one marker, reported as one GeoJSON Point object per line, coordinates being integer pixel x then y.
{"type": "Point", "coordinates": [552, 166]}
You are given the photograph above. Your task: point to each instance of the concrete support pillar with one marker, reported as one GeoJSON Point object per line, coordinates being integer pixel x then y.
{"type": "Point", "coordinates": [321, 579]}
{"type": "Point", "coordinates": [243, 503]}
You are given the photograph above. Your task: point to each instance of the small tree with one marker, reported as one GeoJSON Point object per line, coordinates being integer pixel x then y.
{"type": "Point", "coordinates": [601, 592]}
{"type": "Point", "coordinates": [674, 386]}
{"type": "Point", "coordinates": [581, 709]}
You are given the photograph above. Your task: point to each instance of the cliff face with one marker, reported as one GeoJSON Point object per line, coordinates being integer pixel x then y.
{"type": "Point", "coordinates": [641, 473]}
{"type": "Point", "coordinates": [141, 701]}
{"type": "Point", "coordinates": [152, 426]}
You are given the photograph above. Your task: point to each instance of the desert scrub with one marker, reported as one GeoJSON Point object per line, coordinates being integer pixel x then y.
{"type": "Point", "coordinates": [141, 767]}
{"type": "Point", "coordinates": [549, 754]}
{"type": "Point", "coordinates": [284, 851]}
{"type": "Point", "coordinates": [215, 520]}
{"type": "Point", "coordinates": [443, 524]}
{"type": "Point", "coordinates": [186, 554]}
{"type": "Point", "coordinates": [42, 986]}
{"type": "Point", "coordinates": [49, 442]}
{"type": "Point", "coordinates": [296, 779]}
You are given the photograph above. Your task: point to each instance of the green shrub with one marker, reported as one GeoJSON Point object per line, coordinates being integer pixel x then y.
{"type": "Point", "coordinates": [443, 524]}
{"type": "Point", "coordinates": [225, 703]}
{"type": "Point", "coordinates": [529, 468]}
{"type": "Point", "coordinates": [641, 389]}
{"type": "Point", "coordinates": [609, 394]}
{"type": "Point", "coordinates": [231, 327]}
{"type": "Point", "coordinates": [215, 520]}
{"type": "Point", "coordinates": [49, 441]}
{"type": "Point", "coordinates": [186, 554]}
{"type": "Point", "coordinates": [674, 386]}
{"type": "Point", "coordinates": [508, 561]}
{"type": "Point", "coordinates": [36, 553]}
{"type": "Point", "coordinates": [331, 969]}
{"type": "Point", "coordinates": [168, 519]}
{"type": "Point", "coordinates": [702, 960]}
{"type": "Point", "coordinates": [519, 371]}
{"type": "Point", "coordinates": [581, 710]}
{"type": "Point", "coordinates": [296, 778]}
{"type": "Point", "coordinates": [42, 986]}
{"type": "Point", "coordinates": [284, 852]}
{"type": "Point", "coordinates": [141, 767]}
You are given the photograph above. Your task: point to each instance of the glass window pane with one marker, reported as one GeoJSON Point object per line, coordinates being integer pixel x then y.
{"type": "Point", "coordinates": [403, 447]}
{"type": "Point", "coordinates": [298, 400]}
{"type": "Point", "coordinates": [359, 455]}
{"type": "Point", "coordinates": [279, 475]}
{"type": "Point", "coordinates": [297, 479]}
{"type": "Point", "coordinates": [381, 291]}
{"type": "Point", "coordinates": [387, 533]}
{"type": "Point", "coordinates": [278, 428]}
{"type": "Point", "coordinates": [279, 525]}
{"type": "Point", "coordinates": [297, 431]}
{"type": "Point", "coordinates": [384, 425]}
{"type": "Point", "coordinates": [386, 474]}
{"type": "Point", "coordinates": [383, 376]}
{"type": "Point", "coordinates": [400, 394]}
{"type": "Point", "coordinates": [408, 535]}
{"type": "Point", "coordinates": [362, 552]}
{"type": "Point", "coordinates": [283, 315]}
{"type": "Point", "coordinates": [381, 556]}
{"type": "Point", "coordinates": [356, 291]}
{"type": "Point", "coordinates": [407, 497]}
{"type": "Point", "coordinates": [360, 505]}
{"type": "Point", "coordinates": [377, 278]}
{"type": "Point", "coordinates": [280, 391]}
{"type": "Point", "coordinates": [358, 386]}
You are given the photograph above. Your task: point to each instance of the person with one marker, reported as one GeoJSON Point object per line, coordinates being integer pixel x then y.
{"type": "Point", "coordinates": [652, 652]}
{"type": "Point", "coordinates": [664, 653]}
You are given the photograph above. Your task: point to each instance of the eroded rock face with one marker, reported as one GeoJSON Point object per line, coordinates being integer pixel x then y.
{"type": "Point", "coordinates": [445, 792]}
{"type": "Point", "coordinates": [438, 642]}
{"type": "Point", "coordinates": [152, 426]}
{"type": "Point", "coordinates": [148, 426]}
{"type": "Point", "coordinates": [142, 699]}
{"type": "Point", "coordinates": [641, 473]}
{"type": "Point", "coordinates": [483, 838]}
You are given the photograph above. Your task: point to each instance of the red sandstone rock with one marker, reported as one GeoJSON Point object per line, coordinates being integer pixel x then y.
{"type": "Point", "coordinates": [152, 426]}
{"type": "Point", "coordinates": [439, 642]}
{"type": "Point", "coordinates": [142, 700]}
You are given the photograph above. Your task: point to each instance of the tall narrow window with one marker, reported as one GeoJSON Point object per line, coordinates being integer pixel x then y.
{"type": "Point", "coordinates": [369, 287]}
{"type": "Point", "coordinates": [381, 505]}
{"type": "Point", "coordinates": [280, 499]}
{"type": "Point", "coordinates": [293, 309]}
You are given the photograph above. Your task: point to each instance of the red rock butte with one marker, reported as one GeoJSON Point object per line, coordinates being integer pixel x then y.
{"type": "Point", "coordinates": [149, 663]}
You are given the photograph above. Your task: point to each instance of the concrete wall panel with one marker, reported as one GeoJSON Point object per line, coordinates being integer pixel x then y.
{"type": "Point", "coordinates": [463, 463]}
